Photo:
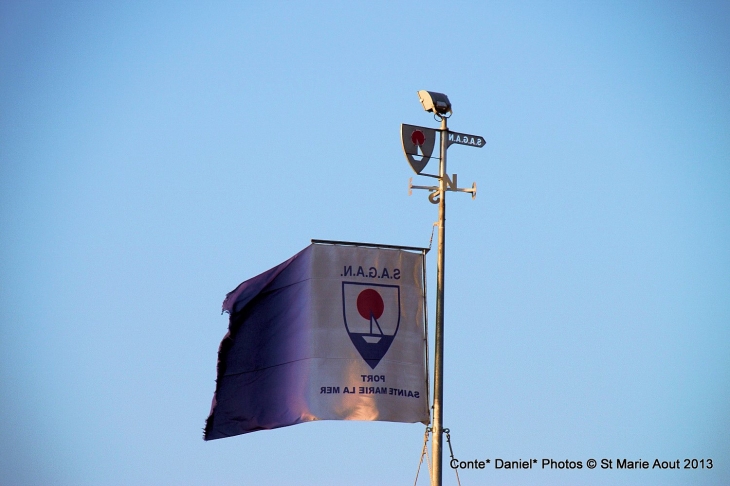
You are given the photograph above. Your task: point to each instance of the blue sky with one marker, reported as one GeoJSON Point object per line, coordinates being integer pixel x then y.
{"type": "Point", "coordinates": [155, 154]}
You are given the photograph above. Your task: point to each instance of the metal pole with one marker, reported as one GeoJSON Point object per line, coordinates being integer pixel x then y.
{"type": "Point", "coordinates": [438, 372]}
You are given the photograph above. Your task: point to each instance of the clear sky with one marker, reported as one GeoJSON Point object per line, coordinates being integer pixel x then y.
{"type": "Point", "coordinates": [153, 155]}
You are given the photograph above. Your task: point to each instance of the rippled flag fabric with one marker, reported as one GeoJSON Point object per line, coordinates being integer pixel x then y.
{"type": "Point", "coordinates": [334, 333]}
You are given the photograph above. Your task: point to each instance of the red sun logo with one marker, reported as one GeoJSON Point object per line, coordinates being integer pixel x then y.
{"type": "Point", "coordinates": [418, 138]}
{"type": "Point", "coordinates": [370, 304]}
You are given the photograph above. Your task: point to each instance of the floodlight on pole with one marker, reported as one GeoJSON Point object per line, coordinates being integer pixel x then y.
{"type": "Point", "coordinates": [436, 103]}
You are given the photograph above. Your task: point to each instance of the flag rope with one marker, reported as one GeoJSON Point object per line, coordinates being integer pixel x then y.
{"type": "Point", "coordinates": [432, 230]}
{"type": "Point", "coordinates": [451, 450]}
{"type": "Point", "coordinates": [424, 452]}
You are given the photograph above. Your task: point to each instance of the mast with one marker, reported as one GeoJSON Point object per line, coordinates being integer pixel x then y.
{"type": "Point", "coordinates": [438, 366]}
{"type": "Point", "coordinates": [418, 144]}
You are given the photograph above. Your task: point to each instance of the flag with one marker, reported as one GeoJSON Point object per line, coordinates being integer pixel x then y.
{"type": "Point", "coordinates": [334, 333]}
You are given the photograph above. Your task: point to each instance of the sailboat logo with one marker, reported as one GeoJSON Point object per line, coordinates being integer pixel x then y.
{"type": "Point", "coordinates": [372, 318]}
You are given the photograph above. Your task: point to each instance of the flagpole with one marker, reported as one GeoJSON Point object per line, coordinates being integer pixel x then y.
{"type": "Point", "coordinates": [418, 144]}
{"type": "Point", "coordinates": [438, 372]}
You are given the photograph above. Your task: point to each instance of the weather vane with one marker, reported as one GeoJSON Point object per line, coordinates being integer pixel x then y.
{"type": "Point", "coordinates": [418, 145]}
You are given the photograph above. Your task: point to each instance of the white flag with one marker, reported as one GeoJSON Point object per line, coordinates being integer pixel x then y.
{"type": "Point", "coordinates": [334, 333]}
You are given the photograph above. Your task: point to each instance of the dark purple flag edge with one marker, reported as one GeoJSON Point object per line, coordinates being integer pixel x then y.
{"type": "Point", "coordinates": [235, 302]}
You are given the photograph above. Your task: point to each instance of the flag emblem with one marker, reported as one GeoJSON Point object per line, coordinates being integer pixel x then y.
{"type": "Point", "coordinates": [372, 316]}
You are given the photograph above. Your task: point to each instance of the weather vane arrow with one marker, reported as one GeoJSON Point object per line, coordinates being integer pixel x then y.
{"type": "Point", "coordinates": [465, 139]}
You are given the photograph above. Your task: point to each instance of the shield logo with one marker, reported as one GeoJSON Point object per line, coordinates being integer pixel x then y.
{"type": "Point", "coordinates": [372, 318]}
{"type": "Point", "coordinates": [418, 143]}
